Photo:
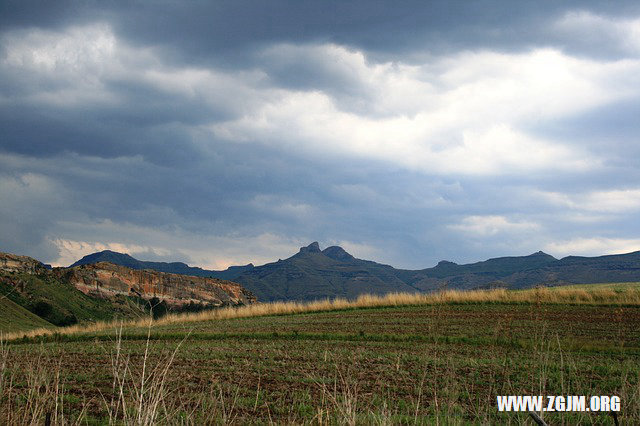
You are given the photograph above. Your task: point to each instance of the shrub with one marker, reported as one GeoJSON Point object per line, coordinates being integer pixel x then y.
{"type": "Point", "coordinates": [158, 308]}
{"type": "Point", "coordinates": [42, 309]}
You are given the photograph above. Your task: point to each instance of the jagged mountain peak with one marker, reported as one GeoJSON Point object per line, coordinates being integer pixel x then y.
{"type": "Point", "coordinates": [314, 247]}
{"type": "Point", "coordinates": [337, 253]}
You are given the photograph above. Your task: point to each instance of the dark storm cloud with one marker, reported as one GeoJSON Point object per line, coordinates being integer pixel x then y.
{"type": "Point", "coordinates": [221, 32]}
{"type": "Point", "coordinates": [176, 128]}
{"type": "Point", "coordinates": [45, 133]}
{"type": "Point", "coordinates": [144, 120]}
{"type": "Point", "coordinates": [611, 129]}
{"type": "Point", "coordinates": [376, 26]}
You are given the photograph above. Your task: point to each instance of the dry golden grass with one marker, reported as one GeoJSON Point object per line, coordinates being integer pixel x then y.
{"type": "Point", "coordinates": [596, 296]}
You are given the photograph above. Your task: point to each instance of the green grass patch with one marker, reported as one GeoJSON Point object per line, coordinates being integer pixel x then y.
{"type": "Point", "coordinates": [59, 303]}
{"type": "Point", "coordinates": [14, 317]}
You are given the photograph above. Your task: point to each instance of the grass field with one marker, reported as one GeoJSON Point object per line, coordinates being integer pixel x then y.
{"type": "Point", "coordinates": [434, 361]}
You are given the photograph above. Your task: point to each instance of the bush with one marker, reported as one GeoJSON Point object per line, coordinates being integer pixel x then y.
{"type": "Point", "coordinates": [158, 308]}
{"type": "Point", "coordinates": [42, 309]}
{"type": "Point", "coordinates": [48, 312]}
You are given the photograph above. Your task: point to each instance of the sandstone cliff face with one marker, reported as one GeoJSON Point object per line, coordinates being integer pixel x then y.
{"type": "Point", "coordinates": [21, 264]}
{"type": "Point", "coordinates": [105, 280]}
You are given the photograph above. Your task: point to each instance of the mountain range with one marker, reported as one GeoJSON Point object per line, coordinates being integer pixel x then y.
{"type": "Point", "coordinates": [313, 273]}
{"type": "Point", "coordinates": [108, 285]}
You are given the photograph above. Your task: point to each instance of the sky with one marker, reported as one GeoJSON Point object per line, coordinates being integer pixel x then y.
{"type": "Point", "coordinates": [226, 132]}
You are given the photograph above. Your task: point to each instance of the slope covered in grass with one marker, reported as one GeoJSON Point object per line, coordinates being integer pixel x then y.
{"type": "Point", "coordinates": [59, 302]}
{"type": "Point", "coordinates": [14, 317]}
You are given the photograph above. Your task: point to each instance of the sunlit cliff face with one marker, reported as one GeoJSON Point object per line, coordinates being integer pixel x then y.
{"type": "Point", "coordinates": [108, 280]}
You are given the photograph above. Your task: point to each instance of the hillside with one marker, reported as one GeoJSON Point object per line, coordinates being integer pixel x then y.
{"type": "Point", "coordinates": [59, 303]}
{"type": "Point", "coordinates": [171, 267]}
{"type": "Point", "coordinates": [35, 296]}
{"type": "Point", "coordinates": [14, 317]}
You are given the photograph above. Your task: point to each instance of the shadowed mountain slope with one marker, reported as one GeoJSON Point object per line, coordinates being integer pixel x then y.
{"type": "Point", "coordinates": [528, 271]}
{"type": "Point", "coordinates": [478, 274]}
{"type": "Point", "coordinates": [315, 274]}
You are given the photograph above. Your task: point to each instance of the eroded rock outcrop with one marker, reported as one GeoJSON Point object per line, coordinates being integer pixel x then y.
{"type": "Point", "coordinates": [105, 280]}
{"type": "Point", "coordinates": [21, 264]}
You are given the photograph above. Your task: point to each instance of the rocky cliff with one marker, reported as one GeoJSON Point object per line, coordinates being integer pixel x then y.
{"type": "Point", "coordinates": [104, 279]}
{"type": "Point", "coordinates": [21, 264]}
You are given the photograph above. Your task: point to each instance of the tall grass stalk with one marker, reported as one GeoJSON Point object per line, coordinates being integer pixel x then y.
{"type": "Point", "coordinates": [40, 400]}
{"type": "Point", "coordinates": [340, 403]}
{"type": "Point", "coordinates": [139, 398]}
{"type": "Point", "coordinates": [4, 355]}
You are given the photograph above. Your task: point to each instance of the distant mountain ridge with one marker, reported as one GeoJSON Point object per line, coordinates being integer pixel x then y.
{"type": "Point", "coordinates": [313, 273]}
{"type": "Point", "coordinates": [123, 259]}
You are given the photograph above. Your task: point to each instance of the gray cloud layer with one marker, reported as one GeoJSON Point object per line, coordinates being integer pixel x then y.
{"type": "Point", "coordinates": [229, 132]}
